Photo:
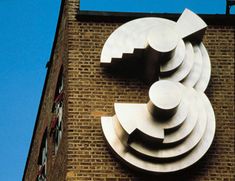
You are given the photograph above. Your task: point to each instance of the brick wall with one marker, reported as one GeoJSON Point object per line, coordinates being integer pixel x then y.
{"type": "Point", "coordinates": [92, 92]}
{"type": "Point", "coordinates": [56, 164]}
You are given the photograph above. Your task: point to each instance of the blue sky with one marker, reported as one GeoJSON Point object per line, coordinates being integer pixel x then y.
{"type": "Point", "coordinates": [157, 6]}
{"type": "Point", "coordinates": [27, 29]}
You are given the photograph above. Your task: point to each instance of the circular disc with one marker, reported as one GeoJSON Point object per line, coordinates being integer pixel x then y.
{"type": "Point", "coordinates": [165, 94]}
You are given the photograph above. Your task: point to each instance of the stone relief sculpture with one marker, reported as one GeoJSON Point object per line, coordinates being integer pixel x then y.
{"type": "Point", "coordinates": [176, 127]}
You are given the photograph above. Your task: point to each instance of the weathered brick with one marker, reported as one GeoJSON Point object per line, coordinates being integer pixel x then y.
{"type": "Point", "coordinates": [90, 92]}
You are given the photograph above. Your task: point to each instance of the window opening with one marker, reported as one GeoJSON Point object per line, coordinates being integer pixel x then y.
{"type": "Point", "coordinates": [42, 159]}
{"type": "Point", "coordinates": [57, 119]}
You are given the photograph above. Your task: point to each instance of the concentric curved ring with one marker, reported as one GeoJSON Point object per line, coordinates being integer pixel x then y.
{"type": "Point", "coordinates": [177, 125]}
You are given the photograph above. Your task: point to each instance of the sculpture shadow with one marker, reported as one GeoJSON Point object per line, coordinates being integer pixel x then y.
{"type": "Point", "coordinates": [133, 66]}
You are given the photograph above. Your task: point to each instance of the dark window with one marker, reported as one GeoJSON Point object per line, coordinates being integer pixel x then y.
{"type": "Point", "coordinates": [57, 119]}
{"type": "Point", "coordinates": [42, 159]}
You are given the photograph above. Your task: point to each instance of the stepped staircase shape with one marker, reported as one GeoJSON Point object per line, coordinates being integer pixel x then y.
{"type": "Point", "coordinates": [173, 48]}
{"type": "Point", "coordinates": [176, 127]}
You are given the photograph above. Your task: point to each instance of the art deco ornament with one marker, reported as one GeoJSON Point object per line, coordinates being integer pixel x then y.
{"type": "Point", "coordinates": [176, 127]}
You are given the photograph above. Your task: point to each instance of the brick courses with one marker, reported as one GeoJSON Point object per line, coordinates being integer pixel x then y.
{"type": "Point", "coordinates": [56, 165]}
{"type": "Point", "coordinates": [91, 91]}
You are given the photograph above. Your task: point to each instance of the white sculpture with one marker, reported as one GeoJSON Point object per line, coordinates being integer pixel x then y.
{"type": "Point", "coordinates": [176, 127]}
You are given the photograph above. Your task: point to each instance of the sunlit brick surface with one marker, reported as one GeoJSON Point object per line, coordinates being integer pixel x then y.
{"type": "Point", "coordinates": [91, 92]}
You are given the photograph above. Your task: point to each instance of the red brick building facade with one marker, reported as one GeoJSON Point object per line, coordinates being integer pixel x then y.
{"type": "Point", "coordinates": [77, 92]}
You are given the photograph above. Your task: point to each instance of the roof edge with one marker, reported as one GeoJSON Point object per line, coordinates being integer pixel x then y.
{"type": "Point", "coordinates": [48, 66]}
{"type": "Point", "coordinates": [112, 17]}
